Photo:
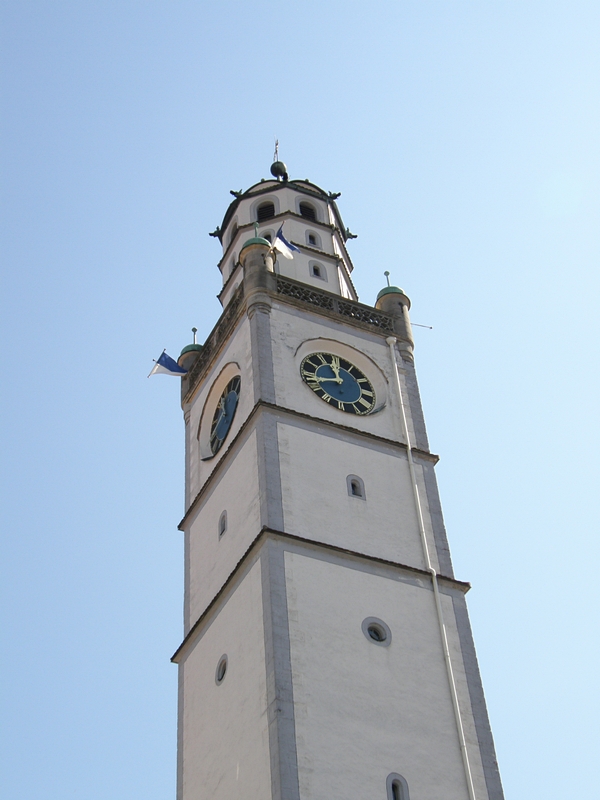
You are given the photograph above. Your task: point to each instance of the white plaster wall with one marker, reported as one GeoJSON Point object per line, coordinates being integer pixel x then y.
{"type": "Point", "coordinates": [225, 732]}
{"type": "Point", "coordinates": [464, 698]}
{"type": "Point", "coordinates": [316, 503]}
{"type": "Point", "coordinates": [361, 710]}
{"type": "Point", "coordinates": [238, 350]}
{"type": "Point", "coordinates": [212, 559]}
{"type": "Point", "coordinates": [290, 328]}
{"type": "Point", "coordinates": [298, 269]}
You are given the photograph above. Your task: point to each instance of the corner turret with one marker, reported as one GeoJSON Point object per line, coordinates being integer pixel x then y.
{"type": "Point", "coordinates": [392, 300]}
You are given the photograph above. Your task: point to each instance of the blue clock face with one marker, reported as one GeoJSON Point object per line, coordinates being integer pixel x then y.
{"type": "Point", "coordinates": [224, 414]}
{"type": "Point", "coordinates": [338, 382]}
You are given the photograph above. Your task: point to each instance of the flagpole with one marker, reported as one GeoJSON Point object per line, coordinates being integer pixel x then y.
{"type": "Point", "coordinates": [156, 362]}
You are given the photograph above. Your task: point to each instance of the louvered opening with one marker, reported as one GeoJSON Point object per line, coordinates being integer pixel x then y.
{"type": "Point", "coordinates": [308, 212]}
{"type": "Point", "coordinates": [265, 211]}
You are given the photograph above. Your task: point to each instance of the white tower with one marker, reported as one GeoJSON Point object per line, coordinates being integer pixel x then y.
{"type": "Point", "coordinates": [327, 651]}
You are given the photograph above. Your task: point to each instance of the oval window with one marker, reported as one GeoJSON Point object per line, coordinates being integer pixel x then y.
{"type": "Point", "coordinates": [377, 631]}
{"type": "Point", "coordinates": [221, 670]}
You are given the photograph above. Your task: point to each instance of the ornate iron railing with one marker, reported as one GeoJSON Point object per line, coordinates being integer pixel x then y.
{"type": "Point", "coordinates": [345, 308]}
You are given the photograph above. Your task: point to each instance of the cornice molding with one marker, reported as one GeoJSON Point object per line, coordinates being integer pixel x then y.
{"type": "Point", "coordinates": [270, 533]}
{"type": "Point", "coordinates": [423, 455]}
{"type": "Point", "coordinates": [255, 191]}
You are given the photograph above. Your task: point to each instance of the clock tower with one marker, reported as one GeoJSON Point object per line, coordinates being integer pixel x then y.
{"type": "Point", "coordinates": [327, 651]}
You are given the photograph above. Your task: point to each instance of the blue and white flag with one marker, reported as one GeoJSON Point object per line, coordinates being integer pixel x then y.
{"type": "Point", "coordinates": [282, 245]}
{"type": "Point", "coordinates": [167, 366]}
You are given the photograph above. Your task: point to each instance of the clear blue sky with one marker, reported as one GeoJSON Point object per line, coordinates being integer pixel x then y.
{"type": "Point", "coordinates": [464, 139]}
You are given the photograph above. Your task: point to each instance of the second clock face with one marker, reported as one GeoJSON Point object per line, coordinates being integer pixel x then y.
{"type": "Point", "coordinates": [224, 413]}
{"type": "Point", "coordinates": [338, 382]}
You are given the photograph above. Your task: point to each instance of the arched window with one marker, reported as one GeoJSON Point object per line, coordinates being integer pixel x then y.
{"type": "Point", "coordinates": [356, 487]}
{"type": "Point", "coordinates": [313, 239]}
{"type": "Point", "coordinates": [308, 212]}
{"type": "Point", "coordinates": [317, 270]}
{"type": "Point", "coordinates": [267, 236]}
{"type": "Point", "coordinates": [265, 211]}
{"type": "Point", "coordinates": [397, 787]}
{"type": "Point", "coordinates": [233, 234]}
{"type": "Point", "coordinates": [222, 524]}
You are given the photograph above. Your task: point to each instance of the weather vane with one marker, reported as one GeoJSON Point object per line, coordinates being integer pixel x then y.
{"type": "Point", "coordinates": [276, 153]}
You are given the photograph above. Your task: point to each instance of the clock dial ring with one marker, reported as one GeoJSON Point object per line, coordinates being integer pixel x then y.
{"type": "Point", "coordinates": [338, 382]}
{"type": "Point", "coordinates": [224, 414]}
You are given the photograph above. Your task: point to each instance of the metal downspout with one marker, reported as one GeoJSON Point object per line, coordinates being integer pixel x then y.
{"type": "Point", "coordinates": [391, 340]}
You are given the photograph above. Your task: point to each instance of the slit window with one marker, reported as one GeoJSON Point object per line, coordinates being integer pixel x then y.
{"type": "Point", "coordinates": [265, 211]}
{"type": "Point", "coordinates": [221, 670]}
{"type": "Point", "coordinates": [308, 212]}
{"type": "Point", "coordinates": [222, 524]}
{"type": "Point", "coordinates": [233, 234]}
{"type": "Point", "coordinates": [312, 239]}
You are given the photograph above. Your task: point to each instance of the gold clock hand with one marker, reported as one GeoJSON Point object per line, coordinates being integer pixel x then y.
{"type": "Point", "coordinates": [335, 366]}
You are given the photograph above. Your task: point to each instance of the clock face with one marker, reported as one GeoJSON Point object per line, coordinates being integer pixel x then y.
{"type": "Point", "coordinates": [338, 382]}
{"type": "Point", "coordinates": [224, 414]}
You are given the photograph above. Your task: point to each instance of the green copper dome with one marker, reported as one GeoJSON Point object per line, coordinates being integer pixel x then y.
{"type": "Point", "coordinates": [390, 290]}
{"type": "Point", "coordinates": [191, 348]}
{"type": "Point", "coordinates": [256, 240]}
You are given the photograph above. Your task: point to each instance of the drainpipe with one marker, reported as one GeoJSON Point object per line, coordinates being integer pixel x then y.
{"type": "Point", "coordinates": [391, 340]}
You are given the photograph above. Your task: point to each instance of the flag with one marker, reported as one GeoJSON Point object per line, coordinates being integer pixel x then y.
{"type": "Point", "coordinates": [282, 245]}
{"type": "Point", "coordinates": [167, 366]}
